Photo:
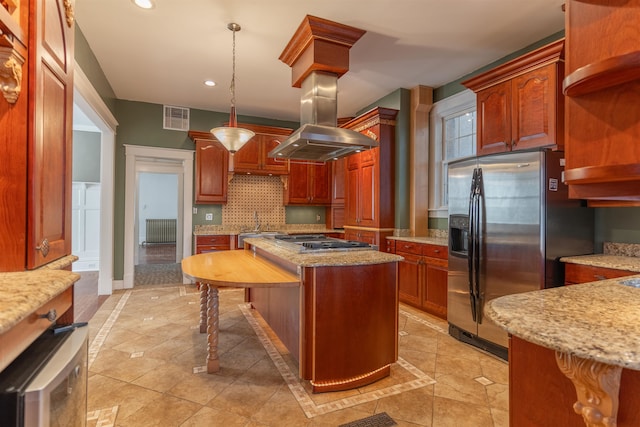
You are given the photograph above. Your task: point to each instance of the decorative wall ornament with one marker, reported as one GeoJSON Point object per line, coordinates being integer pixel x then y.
{"type": "Point", "coordinates": [597, 387]}
{"type": "Point", "coordinates": [10, 74]}
{"type": "Point", "coordinates": [68, 10]}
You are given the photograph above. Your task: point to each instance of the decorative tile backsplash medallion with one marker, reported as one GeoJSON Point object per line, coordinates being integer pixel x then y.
{"type": "Point", "coordinates": [621, 249]}
{"type": "Point", "coordinates": [247, 194]}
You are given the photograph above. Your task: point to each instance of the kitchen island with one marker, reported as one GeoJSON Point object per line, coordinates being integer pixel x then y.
{"type": "Point", "coordinates": [582, 339]}
{"type": "Point", "coordinates": [339, 320]}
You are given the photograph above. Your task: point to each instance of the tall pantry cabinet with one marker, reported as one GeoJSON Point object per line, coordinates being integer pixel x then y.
{"type": "Point", "coordinates": [36, 53]}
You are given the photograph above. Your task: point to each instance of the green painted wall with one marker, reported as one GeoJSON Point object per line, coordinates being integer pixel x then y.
{"type": "Point", "coordinates": [89, 64]}
{"type": "Point", "coordinates": [621, 225]}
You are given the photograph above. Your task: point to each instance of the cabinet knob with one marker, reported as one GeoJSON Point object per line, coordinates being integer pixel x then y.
{"type": "Point", "coordinates": [43, 247]}
{"type": "Point", "coordinates": [51, 315]}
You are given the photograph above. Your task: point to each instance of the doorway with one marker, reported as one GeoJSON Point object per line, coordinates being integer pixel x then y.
{"type": "Point", "coordinates": [142, 160]}
{"type": "Point", "coordinates": [157, 253]}
{"type": "Point", "coordinates": [93, 116]}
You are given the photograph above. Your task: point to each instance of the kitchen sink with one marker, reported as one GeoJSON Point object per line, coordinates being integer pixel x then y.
{"type": "Point", "coordinates": [251, 234]}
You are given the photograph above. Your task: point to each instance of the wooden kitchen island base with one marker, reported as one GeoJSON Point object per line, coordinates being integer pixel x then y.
{"type": "Point", "coordinates": [337, 314]}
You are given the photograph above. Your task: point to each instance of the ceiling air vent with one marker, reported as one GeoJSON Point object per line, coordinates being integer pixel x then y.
{"type": "Point", "coordinates": [176, 118]}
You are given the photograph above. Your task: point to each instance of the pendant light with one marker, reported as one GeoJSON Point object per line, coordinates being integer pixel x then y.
{"type": "Point", "coordinates": [231, 136]}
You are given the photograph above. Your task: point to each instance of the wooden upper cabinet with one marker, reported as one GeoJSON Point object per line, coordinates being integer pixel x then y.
{"type": "Point", "coordinates": [602, 109]}
{"type": "Point", "coordinates": [519, 103]}
{"type": "Point", "coordinates": [50, 131]}
{"type": "Point", "coordinates": [212, 169]}
{"type": "Point", "coordinates": [369, 188]}
{"type": "Point", "coordinates": [308, 184]}
{"type": "Point", "coordinates": [253, 159]}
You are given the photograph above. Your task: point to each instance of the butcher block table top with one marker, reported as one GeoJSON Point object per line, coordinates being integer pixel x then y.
{"type": "Point", "coordinates": [237, 268]}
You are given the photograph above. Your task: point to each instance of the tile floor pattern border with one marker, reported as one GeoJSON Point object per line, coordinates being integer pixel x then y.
{"type": "Point", "coordinates": [310, 408]}
{"type": "Point", "coordinates": [102, 334]}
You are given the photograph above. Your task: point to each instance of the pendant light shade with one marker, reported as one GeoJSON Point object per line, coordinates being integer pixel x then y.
{"type": "Point", "coordinates": [232, 137]}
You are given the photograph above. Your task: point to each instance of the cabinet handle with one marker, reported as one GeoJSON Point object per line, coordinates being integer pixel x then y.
{"type": "Point", "coordinates": [513, 143]}
{"type": "Point", "coordinates": [436, 251]}
{"type": "Point", "coordinates": [599, 277]}
{"type": "Point", "coordinates": [43, 247]}
{"type": "Point", "coordinates": [51, 315]}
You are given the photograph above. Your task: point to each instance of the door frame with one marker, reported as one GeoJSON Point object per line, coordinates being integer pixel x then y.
{"type": "Point", "coordinates": [138, 157]}
{"type": "Point", "coordinates": [90, 102]}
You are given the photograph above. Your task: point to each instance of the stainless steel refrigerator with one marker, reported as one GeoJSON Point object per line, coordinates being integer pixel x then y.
{"type": "Point", "coordinates": [510, 220]}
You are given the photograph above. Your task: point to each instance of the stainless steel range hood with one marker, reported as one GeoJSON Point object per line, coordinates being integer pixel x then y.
{"type": "Point", "coordinates": [319, 138]}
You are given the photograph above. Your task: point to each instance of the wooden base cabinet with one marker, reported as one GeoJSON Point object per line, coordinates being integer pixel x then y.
{"type": "Point", "coordinates": [422, 276]}
{"type": "Point", "coordinates": [520, 104]}
{"type": "Point", "coordinates": [578, 273]}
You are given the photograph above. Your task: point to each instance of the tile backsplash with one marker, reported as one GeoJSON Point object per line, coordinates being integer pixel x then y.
{"type": "Point", "coordinates": [247, 194]}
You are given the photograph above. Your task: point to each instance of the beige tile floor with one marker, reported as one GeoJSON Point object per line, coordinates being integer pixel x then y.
{"type": "Point", "coordinates": [147, 360]}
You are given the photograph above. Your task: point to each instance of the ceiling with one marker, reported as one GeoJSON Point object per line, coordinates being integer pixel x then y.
{"type": "Point", "coordinates": [163, 55]}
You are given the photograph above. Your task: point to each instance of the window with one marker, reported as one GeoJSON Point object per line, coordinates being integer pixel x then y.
{"type": "Point", "coordinates": [452, 136]}
{"type": "Point", "coordinates": [458, 141]}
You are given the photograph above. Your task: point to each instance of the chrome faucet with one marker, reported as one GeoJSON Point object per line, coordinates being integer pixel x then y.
{"type": "Point", "coordinates": [255, 218]}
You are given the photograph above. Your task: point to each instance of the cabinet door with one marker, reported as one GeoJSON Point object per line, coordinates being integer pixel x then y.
{"type": "Point", "coordinates": [368, 194]}
{"type": "Point", "coordinates": [319, 184]}
{"type": "Point", "coordinates": [50, 134]}
{"type": "Point", "coordinates": [273, 166]}
{"type": "Point", "coordinates": [533, 115]}
{"type": "Point", "coordinates": [435, 290]}
{"type": "Point", "coordinates": [247, 159]}
{"type": "Point", "coordinates": [212, 167]}
{"type": "Point", "coordinates": [494, 119]}
{"type": "Point", "coordinates": [297, 187]}
{"type": "Point", "coordinates": [352, 196]}
{"type": "Point", "coordinates": [338, 174]}
{"type": "Point", "coordinates": [409, 281]}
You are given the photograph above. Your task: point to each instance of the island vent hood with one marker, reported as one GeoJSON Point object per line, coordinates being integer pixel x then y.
{"type": "Point", "coordinates": [318, 55]}
{"type": "Point", "coordinates": [319, 138]}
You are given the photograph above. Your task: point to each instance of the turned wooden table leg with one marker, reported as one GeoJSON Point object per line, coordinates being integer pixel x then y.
{"type": "Point", "coordinates": [597, 386]}
{"type": "Point", "coordinates": [204, 295]}
{"type": "Point", "coordinates": [213, 364]}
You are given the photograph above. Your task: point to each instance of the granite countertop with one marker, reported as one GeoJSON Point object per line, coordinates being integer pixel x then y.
{"type": "Point", "coordinates": [336, 257]}
{"type": "Point", "coordinates": [618, 262]}
{"type": "Point", "coordinates": [597, 321]}
{"type": "Point", "coordinates": [22, 293]}
{"type": "Point", "coordinates": [213, 230]}
{"type": "Point", "coordinates": [440, 241]}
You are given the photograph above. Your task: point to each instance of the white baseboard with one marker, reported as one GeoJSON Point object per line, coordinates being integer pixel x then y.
{"type": "Point", "coordinates": [118, 284]}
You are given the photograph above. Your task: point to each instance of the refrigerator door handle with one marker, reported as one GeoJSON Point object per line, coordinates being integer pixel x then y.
{"type": "Point", "coordinates": [471, 244]}
{"type": "Point", "coordinates": [476, 250]}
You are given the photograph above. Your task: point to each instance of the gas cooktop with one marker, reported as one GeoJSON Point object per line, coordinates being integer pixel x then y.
{"type": "Point", "coordinates": [320, 241]}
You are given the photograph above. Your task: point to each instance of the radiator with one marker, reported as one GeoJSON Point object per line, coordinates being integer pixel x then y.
{"type": "Point", "coordinates": [161, 231]}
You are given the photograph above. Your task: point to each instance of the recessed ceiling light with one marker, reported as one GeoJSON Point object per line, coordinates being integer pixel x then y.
{"type": "Point", "coordinates": [144, 4]}
{"type": "Point", "coordinates": [209, 83]}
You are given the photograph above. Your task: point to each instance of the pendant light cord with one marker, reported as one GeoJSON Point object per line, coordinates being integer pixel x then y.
{"type": "Point", "coordinates": [233, 71]}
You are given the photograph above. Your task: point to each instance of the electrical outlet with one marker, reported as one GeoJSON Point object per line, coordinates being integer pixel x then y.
{"type": "Point", "coordinates": [195, 210]}
{"type": "Point", "coordinates": [318, 218]}
{"type": "Point", "coordinates": [208, 217]}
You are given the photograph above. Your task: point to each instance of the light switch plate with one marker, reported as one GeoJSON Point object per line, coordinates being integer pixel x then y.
{"type": "Point", "coordinates": [208, 217]}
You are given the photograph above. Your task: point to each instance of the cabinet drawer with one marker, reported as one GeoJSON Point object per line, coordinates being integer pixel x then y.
{"type": "Point", "coordinates": [409, 247]}
{"type": "Point", "coordinates": [391, 246]}
{"type": "Point", "coordinates": [577, 273]}
{"type": "Point", "coordinates": [18, 338]}
{"type": "Point", "coordinates": [221, 239]}
{"type": "Point", "coordinates": [434, 251]}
